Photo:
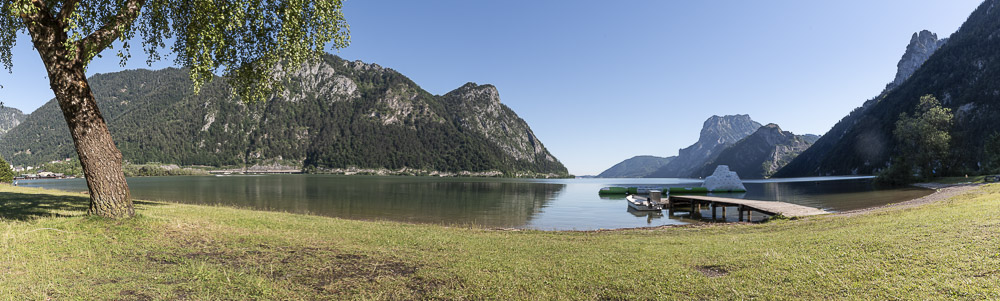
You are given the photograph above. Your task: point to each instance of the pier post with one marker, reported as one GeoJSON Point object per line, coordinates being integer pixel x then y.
{"type": "Point", "coordinates": [712, 207]}
{"type": "Point", "coordinates": [740, 209]}
{"type": "Point", "coordinates": [723, 213]}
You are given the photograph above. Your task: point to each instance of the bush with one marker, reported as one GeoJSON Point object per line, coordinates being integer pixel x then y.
{"type": "Point", "coordinates": [6, 173]}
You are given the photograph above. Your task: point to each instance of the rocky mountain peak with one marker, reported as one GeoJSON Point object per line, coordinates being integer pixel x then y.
{"type": "Point", "coordinates": [760, 154]}
{"type": "Point", "coordinates": [727, 129]}
{"type": "Point", "coordinates": [922, 45]}
{"type": "Point", "coordinates": [470, 91]}
{"type": "Point", "coordinates": [9, 118]}
{"type": "Point", "coordinates": [358, 65]}
{"type": "Point", "coordinates": [477, 108]}
{"type": "Point", "coordinates": [717, 133]}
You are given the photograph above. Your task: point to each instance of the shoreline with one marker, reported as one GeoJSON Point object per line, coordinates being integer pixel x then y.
{"type": "Point", "coordinates": [942, 192]}
{"type": "Point", "coordinates": [183, 251]}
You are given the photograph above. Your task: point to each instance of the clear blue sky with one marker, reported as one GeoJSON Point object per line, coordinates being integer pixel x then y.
{"type": "Point", "coordinates": [584, 74]}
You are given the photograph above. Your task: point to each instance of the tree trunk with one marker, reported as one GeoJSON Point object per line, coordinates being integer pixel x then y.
{"type": "Point", "coordinates": [101, 160]}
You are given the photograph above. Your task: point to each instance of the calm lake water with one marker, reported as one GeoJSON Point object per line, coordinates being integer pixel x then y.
{"type": "Point", "coordinates": [558, 204]}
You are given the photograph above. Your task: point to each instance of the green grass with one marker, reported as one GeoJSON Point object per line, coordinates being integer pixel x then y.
{"type": "Point", "coordinates": [48, 249]}
{"type": "Point", "coordinates": [959, 180]}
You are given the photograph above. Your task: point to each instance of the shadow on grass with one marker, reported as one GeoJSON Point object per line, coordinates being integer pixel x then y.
{"type": "Point", "coordinates": [23, 206]}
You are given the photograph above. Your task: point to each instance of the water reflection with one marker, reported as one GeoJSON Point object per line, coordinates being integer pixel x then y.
{"type": "Point", "coordinates": [650, 216]}
{"type": "Point", "coordinates": [451, 201]}
{"type": "Point", "coordinates": [556, 204]}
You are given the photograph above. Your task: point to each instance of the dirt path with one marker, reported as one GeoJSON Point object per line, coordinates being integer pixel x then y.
{"type": "Point", "coordinates": [943, 192]}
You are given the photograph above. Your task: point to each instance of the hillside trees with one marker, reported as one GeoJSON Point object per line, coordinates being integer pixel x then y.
{"type": "Point", "coordinates": [991, 154]}
{"type": "Point", "coordinates": [243, 39]}
{"type": "Point", "coordinates": [6, 173]}
{"type": "Point", "coordinates": [924, 141]}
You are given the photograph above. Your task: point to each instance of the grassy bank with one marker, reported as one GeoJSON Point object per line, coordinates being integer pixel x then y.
{"type": "Point", "coordinates": [949, 249]}
{"type": "Point", "coordinates": [960, 180]}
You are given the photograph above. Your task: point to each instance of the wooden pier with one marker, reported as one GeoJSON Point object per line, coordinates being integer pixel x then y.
{"type": "Point", "coordinates": [749, 206]}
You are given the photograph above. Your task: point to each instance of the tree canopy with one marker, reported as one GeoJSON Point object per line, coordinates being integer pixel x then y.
{"type": "Point", "coordinates": [6, 173]}
{"type": "Point", "coordinates": [924, 140]}
{"type": "Point", "coordinates": [991, 154]}
{"type": "Point", "coordinates": [244, 40]}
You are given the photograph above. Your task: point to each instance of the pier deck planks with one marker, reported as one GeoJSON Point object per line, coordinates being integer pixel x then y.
{"type": "Point", "coordinates": [768, 207]}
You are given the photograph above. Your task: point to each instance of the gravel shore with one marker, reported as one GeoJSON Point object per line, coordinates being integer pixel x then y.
{"type": "Point", "coordinates": [942, 192]}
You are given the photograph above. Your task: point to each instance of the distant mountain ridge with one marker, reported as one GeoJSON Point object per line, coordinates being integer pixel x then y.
{"type": "Point", "coordinates": [635, 167]}
{"type": "Point", "coordinates": [334, 114]}
{"type": "Point", "coordinates": [755, 155]}
{"type": "Point", "coordinates": [964, 73]}
{"type": "Point", "coordinates": [717, 134]}
{"type": "Point", "coordinates": [761, 154]}
{"type": "Point", "coordinates": [9, 118]}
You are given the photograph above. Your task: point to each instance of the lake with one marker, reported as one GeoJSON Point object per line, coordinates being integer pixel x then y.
{"type": "Point", "coordinates": [544, 204]}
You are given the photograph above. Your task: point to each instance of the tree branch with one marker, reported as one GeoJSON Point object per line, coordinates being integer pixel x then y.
{"type": "Point", "coordinates": [104, 36]}
{"type": "Point", "coordinates": [42, 11]}
{"type": "Point", "coordinates": [67, 10]}
{"type": "Point", "coordinates": [40, 18]}
{"type": "Point", "coordinates": [40, 5]}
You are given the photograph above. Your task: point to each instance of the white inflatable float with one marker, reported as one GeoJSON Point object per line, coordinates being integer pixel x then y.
{"type": "Point", "coordinates": [724, 180]}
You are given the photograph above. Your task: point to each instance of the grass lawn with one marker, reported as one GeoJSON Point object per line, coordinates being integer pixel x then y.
{"type": "Point", "coordinates": [960, 180]}
{"type": "Point", "coordinates": [48, 249]}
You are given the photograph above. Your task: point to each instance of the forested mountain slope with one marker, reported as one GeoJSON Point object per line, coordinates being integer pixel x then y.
{"type": "Point", "coordinates": [964, 74]}
{"type": "Point", "coordinates": [333, 114]}
{"type": "Point", "coordinates": [922, 45]}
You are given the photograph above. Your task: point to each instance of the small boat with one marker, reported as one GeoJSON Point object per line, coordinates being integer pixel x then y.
{"type": "Point", "coordinates": [642, 204]}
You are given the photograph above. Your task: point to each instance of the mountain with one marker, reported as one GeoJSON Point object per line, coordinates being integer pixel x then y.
{"type": "Point", "coordinates": [963, 73]}
{"type": "Point", "coordinates": [717, 133]}
{"type": "Point", "coordinates": [9, 118]}
{"type": "Point", "coordinates": [635, 167]}
{"type": "Point", "coordinates": [333, 115]}
{"type": "Point", "coordinates": [922, 45]}
{"type": "Point", "coordinates": [761, 154]}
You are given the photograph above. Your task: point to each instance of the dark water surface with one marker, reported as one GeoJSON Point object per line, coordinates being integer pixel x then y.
{"type": "Point", "coordinates": [563, 204]}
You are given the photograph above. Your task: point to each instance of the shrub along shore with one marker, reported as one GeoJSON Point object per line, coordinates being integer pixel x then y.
{"type": "Point", "coordinates": [940, 250]}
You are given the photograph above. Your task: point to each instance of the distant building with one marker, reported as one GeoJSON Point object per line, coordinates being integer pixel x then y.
{"type": "Point", "coordinates": [49, 175]}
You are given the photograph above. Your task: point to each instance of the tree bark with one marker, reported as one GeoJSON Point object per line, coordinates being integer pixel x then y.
{"type": "Point", "coordinates": [101, 160]}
